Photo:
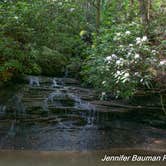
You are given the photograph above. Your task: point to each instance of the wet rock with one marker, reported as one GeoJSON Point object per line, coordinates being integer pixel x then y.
{"type": "Point", "coordinates": [62, 115]}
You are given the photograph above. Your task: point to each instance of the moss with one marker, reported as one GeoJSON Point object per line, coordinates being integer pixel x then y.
{"type": "Point", "coordinates": [52, 63]}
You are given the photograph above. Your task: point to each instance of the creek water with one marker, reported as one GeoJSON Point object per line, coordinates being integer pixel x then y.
{"type": "Point", "coordinates": [57, 114]}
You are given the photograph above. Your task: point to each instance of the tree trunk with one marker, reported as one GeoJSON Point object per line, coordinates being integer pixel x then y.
{"type": "Point", "coordinates": [144, 11]}
{"type": "Point", "coordinates": [149, 8]}
{"type": "Point", "coordinates": [98, 14]}
{"type": "Point", "coordinates": [132, 2]}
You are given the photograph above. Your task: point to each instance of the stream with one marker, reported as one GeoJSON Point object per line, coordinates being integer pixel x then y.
{"type": "Point", "coordinates": [58, 114]}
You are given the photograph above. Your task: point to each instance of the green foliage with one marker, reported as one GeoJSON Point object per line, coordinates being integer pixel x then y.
{"type": "Point", "coordinates": [122, 58]}
{"type": "Point", "coordinates": [29, 26]}
{"type": "Point", "coordinates": [49, 37]}
{"type": "Point", "coordinates": [74, 67]}
{"type": "Point", "coordinates": [52, 62]}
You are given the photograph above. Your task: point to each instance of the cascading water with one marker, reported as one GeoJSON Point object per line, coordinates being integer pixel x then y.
{"type": "Point", "coordinates": [81, 104]}
{"type": "Point", "coordinates": [55, 95]}
{"type": "Point", "coordinates": [45, 105]}
{"type": "Point", "coordinates": [34, 81]}
{"type": "Point", "coordinates": [55, 84]}
{"type": "Point", "coordinates": [84, 105]}
{"type": "Point", "coordinates": [2, 109]}
{"type": "Point", "coordinates": [73, 120]}
{"type": "Point", "coordinates": [20, 108]}
{"type": "Point", "coordinates": [54, 100]}
{"type": "Point", "coordinates": [12, 131]}
{"type": "Point", "coordinates": [51, 99]}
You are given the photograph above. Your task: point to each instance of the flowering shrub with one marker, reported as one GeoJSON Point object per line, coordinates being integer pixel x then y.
{"type": "Point", "coordinates": [121, 60]}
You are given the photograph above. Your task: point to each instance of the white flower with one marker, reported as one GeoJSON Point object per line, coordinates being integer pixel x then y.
{"type": "Point", "coordinates": [128, 54]}
{"type": "Point", "coordinates": [144, 38]}
{"type": "Point", "coordinates": [126, 75]}
{"type": "Point", "coordinates": [130, 45]}
{"type": "Point", "coordinates": [118, 72]}
{"type": "Point", "coordinates": [116, 38]}
{"type": "Point", "coordinates": [114, 56]}
{"type": "Point", "coordinates": [163, 62]}
{"type": "Point", "coordinates": [118, 34]}
{"type": "Point", "coordinates": [137, 56]}
{"type": "Point", "coordinates": [138, 40]}
{"type": "Point", "coordinates": [136, 74]}
{"type": "Point", "coordinates": [16, 17]}
{"type": "Point", "coordinates": [103, 93]}
{"type": "Point", "coordinates": [127, 32]}
{"type": "Point", "coordinates": [108, 58]}
{"type": "Point", "coordinates": [141, 80]}
{"type": "Point", "coordinates": [117, 91]}
{"type": "Point", "coordinates": [118, 62]}
{"type": "Point", "coordinates": [103, 96]}
{"type": "Point", "coordinates": [72, 9]}
{"type": "Point", "coordinates": [154, 52]}
{"type": "Point", "coordinates": [104, 82]}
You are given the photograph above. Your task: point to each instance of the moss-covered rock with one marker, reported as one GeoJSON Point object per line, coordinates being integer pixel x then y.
{"type": "Point", "coordinates": [52, 62]}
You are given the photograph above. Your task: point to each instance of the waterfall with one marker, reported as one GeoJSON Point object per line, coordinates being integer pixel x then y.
{"type": "Point", "coordinates": [2, 109]}
{"type": "Point", "coordinates": [81, 104]}
{"type": "Point", "coordinates": [45, 105]}
{"type": "Point", "coordinates": [54, 95]}
{"type": "Point", "coordinates": [51, 99]}
{"type": "Point", "coordinates": [20, 108]}
{"type": "Point", "coordinates": [12, 131]}
{"type": "Point", "coordinates": [54, 84]}
{"type": "Point", "coordinates": [34, 81]}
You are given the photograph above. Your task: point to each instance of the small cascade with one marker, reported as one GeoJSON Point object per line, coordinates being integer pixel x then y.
{"type": "Point", "coordinates": [2, 109]}
{"type": "Point", "coordinates": [34, 81]}
{"type": "Point", "coordinates": [12, 130]}
{"type": "Point", "coordinates": [45, 105]}
{"type": "Point", "coordinates": [92, 116]}
{"type": "Point", "coordinates": [80, 104]}
{"type": "Point", "coordinates": [53, 99]}
{"type": "Point", "coordinates": [20, 108]}
{"type": "Point", "coordinates": [55, 84]}
{"type": "Point", "coordinates": [55, 95]}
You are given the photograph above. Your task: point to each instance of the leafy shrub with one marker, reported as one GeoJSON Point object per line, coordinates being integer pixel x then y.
{"type": "Point", "coordinates": [52, 63]}
{"type": "Point", "coordinates": [37, 37]}
{"type": "Point", "coordinates": [121, 59]}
